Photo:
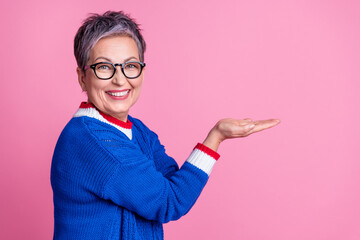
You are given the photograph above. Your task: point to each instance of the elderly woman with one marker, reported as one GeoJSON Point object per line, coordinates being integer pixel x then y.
{"type": "Point", "coordinates": [110, 174]}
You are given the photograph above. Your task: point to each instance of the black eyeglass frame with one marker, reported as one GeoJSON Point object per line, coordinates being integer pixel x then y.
{"type": "Point", "coordinates": [93, 66]}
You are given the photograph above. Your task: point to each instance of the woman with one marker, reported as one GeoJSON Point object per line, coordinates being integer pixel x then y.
{"type": "Point", "coordinates": [110, 175]}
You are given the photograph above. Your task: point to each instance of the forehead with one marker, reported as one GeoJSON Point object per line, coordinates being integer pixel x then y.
{"type": "Point", "coordinates": [116, 48]}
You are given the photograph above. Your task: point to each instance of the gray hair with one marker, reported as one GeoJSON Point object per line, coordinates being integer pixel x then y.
{"type": "Point", "coordinates": [96, 27]}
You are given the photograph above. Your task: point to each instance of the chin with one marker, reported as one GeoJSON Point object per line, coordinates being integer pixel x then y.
{"type": "Point", "coordinates": [119, 111]}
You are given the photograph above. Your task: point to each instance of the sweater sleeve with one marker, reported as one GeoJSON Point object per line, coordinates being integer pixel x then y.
{"type": "Point", "coordinates": [140, 188]}
{"type": "Point", "coordinates": [163, 163]}
{"type": "Point", "coordinates": [134, 182]}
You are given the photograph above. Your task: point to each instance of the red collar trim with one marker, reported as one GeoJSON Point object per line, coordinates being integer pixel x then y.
{"type": "Point", "coordinates": [86, 105]}
{"type": "Point", "coordinates": [111, 119]}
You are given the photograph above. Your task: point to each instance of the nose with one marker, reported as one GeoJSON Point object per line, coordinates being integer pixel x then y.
{"type": "Point", "coordinates": [119, 78]}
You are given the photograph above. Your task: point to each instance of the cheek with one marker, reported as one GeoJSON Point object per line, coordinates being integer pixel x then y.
{"type": "Point", "coordinates": [138, 84]}
{"type": "Point", "coordinates": [95, 89]}
{"type": "Point", "coordinates": [137, 89]}
{"type": "Point", "coordinates": [95, 85]}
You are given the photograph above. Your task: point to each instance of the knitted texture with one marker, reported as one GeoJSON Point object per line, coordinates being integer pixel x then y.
{"type": "Point", "coordinates": [109, 186]}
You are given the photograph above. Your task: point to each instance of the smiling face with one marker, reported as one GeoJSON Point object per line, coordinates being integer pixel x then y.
{"type": "Point", "coordinates": [116, 95]}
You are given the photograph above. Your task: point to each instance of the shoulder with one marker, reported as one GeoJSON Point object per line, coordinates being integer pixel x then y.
{"type": "Point", "coordinates": [81, 131]}
{"type": "Point", "coordinates": [85, 139]}
{"type": "Point", "coordinates": [80, 125]}
{"type": "Point", "coordinates": [75, 127]}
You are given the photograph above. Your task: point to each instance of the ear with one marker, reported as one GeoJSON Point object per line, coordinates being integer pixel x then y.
{"type": "Point", "coordinates": [81, 78]}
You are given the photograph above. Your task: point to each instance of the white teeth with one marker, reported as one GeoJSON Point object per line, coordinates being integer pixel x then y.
{"type": "Point", "coordinates": [118, 94]}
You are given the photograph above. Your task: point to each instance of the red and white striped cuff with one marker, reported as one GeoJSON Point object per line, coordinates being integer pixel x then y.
{"type": "Point", "coordinates": [203, 158]}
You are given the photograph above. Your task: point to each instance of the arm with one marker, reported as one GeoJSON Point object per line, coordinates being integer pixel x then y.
{"type": "Point", "coordinates": [164, 163]}
{"type": "Point", "coordinates": [141, 188]}
{"type": "Point", "coordinates": [137, 185]}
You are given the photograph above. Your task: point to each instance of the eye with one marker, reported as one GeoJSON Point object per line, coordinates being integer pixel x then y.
{"type": "Point", "coordinates": [104, 67]}
{"type": "Point", "coordinates": [132, 66]}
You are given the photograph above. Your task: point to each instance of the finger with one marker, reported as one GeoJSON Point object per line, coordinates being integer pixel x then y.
{"type": "Point", "coordinates": [265, 124]}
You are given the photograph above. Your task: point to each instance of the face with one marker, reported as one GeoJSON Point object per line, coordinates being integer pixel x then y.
{"type": "Point", "coordinates": [116, 95]}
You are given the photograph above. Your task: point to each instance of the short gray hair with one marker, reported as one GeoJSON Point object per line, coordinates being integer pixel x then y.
{"type": "Point", "coordinates": [96, 27]}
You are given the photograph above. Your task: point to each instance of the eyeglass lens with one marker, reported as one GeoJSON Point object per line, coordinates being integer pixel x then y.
{"type": "Point", "coordinates": [106, 70]}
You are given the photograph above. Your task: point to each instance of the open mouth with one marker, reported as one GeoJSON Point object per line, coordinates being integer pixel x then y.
{"type": "Point", "coordinates": [118, 94]}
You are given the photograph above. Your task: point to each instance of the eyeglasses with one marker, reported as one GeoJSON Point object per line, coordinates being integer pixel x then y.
{"type": "Point", "coordinates": [106, 70]}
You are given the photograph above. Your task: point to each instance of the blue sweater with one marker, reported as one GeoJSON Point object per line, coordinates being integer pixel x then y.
{"type": "Point", "coordinates": [113, 180]}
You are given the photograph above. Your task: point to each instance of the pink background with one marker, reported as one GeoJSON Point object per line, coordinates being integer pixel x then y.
{"type": "Point", "coordinates": [294, 60]}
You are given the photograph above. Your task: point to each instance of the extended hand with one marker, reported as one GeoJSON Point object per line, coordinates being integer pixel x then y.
{"type": "Point", "coordinates": [233, 128]}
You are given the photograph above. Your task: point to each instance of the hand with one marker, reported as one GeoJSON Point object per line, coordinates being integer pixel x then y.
{"type": "Point", "coordinates": [233, 128]}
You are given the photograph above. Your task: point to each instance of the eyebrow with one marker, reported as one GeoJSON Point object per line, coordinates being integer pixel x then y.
{"type": "Point", "coordinates": [109, 60]}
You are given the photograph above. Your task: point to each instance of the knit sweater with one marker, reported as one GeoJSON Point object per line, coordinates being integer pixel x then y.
{"type": "Point", "coordinates": [113, 179]}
